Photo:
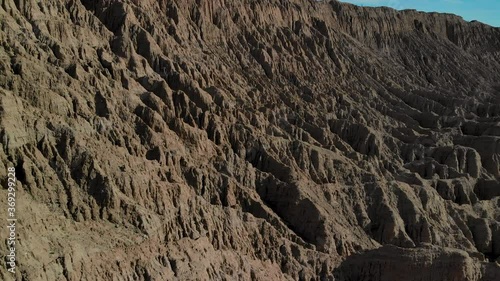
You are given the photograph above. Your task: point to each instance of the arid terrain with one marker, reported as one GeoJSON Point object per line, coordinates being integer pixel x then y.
{"type": "Point", "coordinates": [248, 140]}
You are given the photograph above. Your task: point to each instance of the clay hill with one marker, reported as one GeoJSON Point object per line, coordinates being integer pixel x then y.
{"type": "Point", "coordinates": [249, 140]}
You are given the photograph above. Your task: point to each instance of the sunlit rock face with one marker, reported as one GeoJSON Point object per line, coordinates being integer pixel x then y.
{"type": "Point", "coordinates": [249, 140]}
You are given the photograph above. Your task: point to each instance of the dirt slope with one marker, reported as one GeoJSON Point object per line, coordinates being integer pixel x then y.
{"type": "Point", "coordinates": [249, 140]}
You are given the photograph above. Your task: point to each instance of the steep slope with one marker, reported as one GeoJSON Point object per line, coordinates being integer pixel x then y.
{"type": "Point", "coordinates": [249, 140]}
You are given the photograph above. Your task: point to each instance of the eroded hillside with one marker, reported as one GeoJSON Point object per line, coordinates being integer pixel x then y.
{"type": "Point", "coordinates": [249, 140]}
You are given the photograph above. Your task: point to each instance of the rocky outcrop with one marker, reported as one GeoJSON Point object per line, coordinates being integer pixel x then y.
{"type": "Point", "coordinates": [249, 140]}
{"type": "Point", "coordinates": [424, 263]}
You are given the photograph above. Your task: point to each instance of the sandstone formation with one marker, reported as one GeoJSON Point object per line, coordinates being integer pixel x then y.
{"type": "Point", "coordinates": [249, 140]}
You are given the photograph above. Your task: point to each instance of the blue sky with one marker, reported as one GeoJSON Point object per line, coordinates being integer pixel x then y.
{"type": "Point", "coordinates": [487, 11]}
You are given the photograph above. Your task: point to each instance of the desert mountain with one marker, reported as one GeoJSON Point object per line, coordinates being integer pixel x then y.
{"type": "Point", "coordinates": [249, 140]}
